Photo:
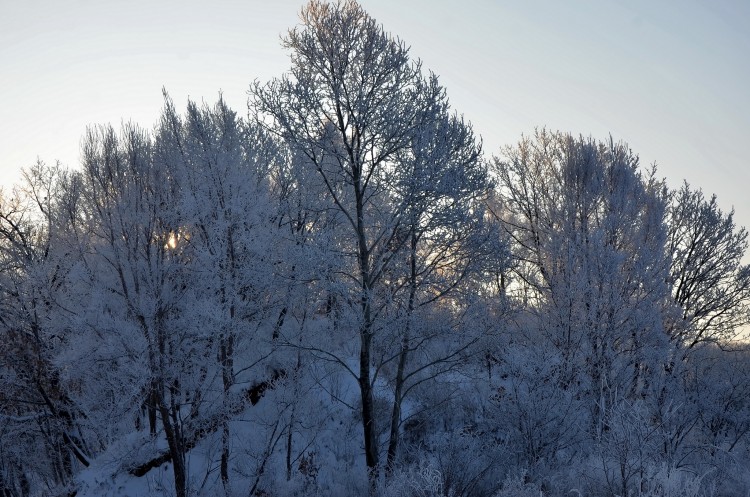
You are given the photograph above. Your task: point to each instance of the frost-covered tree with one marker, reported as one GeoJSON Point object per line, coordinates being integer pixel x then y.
{"type": "Point", "coordinates": [224, 236]}
{"type": "Point", "coordinates": [38, 411]}
{"type": "Point", "coordinates": [710, 284]}
{"type": "Point", "coordinates": [589, 236]}
{"type": "Point", "coordinates": [138, 282]}
{"type": "Point", "coordinates": [401, 177]}
{"type": "Point", "coordinates": [448, 247]}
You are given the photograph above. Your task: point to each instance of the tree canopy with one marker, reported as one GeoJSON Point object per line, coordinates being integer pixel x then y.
{"type": "Point", "coordinates": [342, 294]}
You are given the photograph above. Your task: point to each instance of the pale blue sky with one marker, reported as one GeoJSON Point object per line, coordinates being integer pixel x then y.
{"type": "Point", "coordinates": [672, 78]}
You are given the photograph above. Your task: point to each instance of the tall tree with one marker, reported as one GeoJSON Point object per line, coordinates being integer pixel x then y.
{"type": "Point", "coordinates": [224, 233]}
{"type": "Point", "coordinates": [448, 242]}
{"type": "Point", "coordinates": [590, 239]}
{"type": "Point", "coordinates": [138, 278]}
{"type": "Point", "coordinates": [398, 172]}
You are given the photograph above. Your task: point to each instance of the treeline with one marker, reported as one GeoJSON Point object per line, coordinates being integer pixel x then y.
{"type": "Point", "coordinates": [340, 295]}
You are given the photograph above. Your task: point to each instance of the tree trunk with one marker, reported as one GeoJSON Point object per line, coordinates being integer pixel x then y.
{"type": "Point", "coordinates": [365, 384]}
{"type": "Point", "coordinates": [368, 405]}
{"type": "Point", "coordinates": [396, 413]}
{"type": "Point", "coordinates": [227, 364]}
{"type": "Point", "coordinates": [398, 393]}
{"type": "Point", "coordinates": [151, 407]}
{"type": "Point", "coordinates": [176, 448]}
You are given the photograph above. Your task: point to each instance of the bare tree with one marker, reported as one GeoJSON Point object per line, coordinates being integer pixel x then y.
{"type": "Point", "coordinates": [349, 80]}
{"type": "Point", "coordinates": [710, 284]}
{"type": "Point", "coordinates": [36, 406]}
{"type": "Point", "coordinates": [448, 244]}
{"type": "Point", "coordinates": [129, 198]}
{"type": "Point", "coordinates": [401, 175]}
{"type": "Point", "coordinates": [225, 234]}
{"type": "Point", "coordinates": [589, 235]}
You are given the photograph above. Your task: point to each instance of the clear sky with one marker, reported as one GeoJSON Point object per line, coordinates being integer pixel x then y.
{"type": "Point", "coordinates": [672, 78]}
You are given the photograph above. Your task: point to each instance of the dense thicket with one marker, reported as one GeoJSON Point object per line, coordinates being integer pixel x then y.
{"type": "Point", "coordinates": [339, 295]}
